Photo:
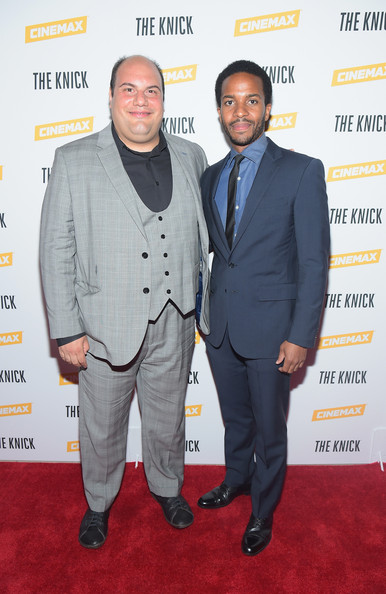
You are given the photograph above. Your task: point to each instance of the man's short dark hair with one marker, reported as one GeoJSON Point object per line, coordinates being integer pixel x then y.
{"type": "Point", "coordinates": [121, 60]}
{"type": "Point", "coordinates": [250, 68]}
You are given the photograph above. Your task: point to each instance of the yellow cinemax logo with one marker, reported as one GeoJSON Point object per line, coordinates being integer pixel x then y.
{"type": "Point", "coordinates": [343, 340]}
{"type": "Point", "coordinates": [194, 410]}
{"type": "Point", "coordinates": [74, 26]}
{"type": "Point", "coordinates": [6, 259]}
{"type": "Point", "coordinates": [347, 76]}
{"type": "Point", "coordinates": [1, 172]}
{"type": "Point", "coordinates": [355, 259]}
{"type": "Point", "coordinates": [67, 128]}
{"type": "Point", "coordinates": [73, 446]}
{"type": "Point", "coordinates": [10, 338]}
{"type": "Point", "coordinates": [9, 410]}
{"type": "Point", "coordinates": [180, 74]}
{"type": "Point", "coordinates": [354, 410]}
{"type": "Point", "coordinates": [282, 121]}
{"type": "Point", "coordinates": [356, 170]}
{"type": "Point", "coordinates": [268, 22]}
{"type": "Point", "coordinates": [197, 337]}
{"type": "Point", "coordinates": [67, 379]}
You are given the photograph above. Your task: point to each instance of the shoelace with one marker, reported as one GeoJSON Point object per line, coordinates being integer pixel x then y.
{"type": "Point", "coordinates": [178, 502]}
{"type": "Point", "coordinates": [96, 519]}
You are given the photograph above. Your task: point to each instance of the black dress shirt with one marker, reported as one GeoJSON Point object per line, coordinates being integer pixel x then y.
{"type": "Point", "coordinates": [150, 172]}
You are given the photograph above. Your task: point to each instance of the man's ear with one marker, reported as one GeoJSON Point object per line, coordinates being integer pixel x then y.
{"type": "Point", "coordinates": [268, 111]}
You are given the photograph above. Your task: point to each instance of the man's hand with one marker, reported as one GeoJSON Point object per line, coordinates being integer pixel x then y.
{"type": "Point", "coordinates": [75, 352]}
{"type": "Point", "coordinates": [292, 355]}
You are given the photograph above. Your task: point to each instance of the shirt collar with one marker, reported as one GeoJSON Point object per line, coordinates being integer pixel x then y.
{"type": "Point", "coordinates": [253, 152]}
{"type": "Point", "coordinates": [162, 145]}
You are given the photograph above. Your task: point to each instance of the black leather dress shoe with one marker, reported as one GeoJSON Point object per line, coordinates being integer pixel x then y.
{"type": "Point", "coordinates": [257, 535]}
{"type": "Point", "coordinates": [176, 510]}
{"type": "Point", "coordinates": [222, 496]}
{"type": "Point", "coordinates": [93, 529]}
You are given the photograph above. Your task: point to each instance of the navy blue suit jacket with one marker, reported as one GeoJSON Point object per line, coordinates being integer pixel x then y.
{"type": "Point", "coordinates": [270, 287]}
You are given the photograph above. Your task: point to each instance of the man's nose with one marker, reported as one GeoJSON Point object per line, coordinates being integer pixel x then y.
{"type": "Point", "coordinates": [240, 109]}
{"type": "Point", "coordinates": [140, 98]}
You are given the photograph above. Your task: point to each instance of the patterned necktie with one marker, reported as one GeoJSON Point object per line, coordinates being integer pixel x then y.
{"type": "Point", "coordinates": [232, 188]}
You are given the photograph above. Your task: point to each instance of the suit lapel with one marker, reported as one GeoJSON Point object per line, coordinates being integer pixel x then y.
{"type": "Point", "coordinates": [112, 163]}
{"type": "Point", "coordinates": [214, 213]}
{"type": "Point", "coordinates": [175, 156]}
{"type": "Point", "coordinates": [261, 183]}
{"type": "Point", "coordinates": [179, 157]}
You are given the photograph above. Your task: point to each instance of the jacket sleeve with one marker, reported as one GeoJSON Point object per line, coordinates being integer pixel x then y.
{"type": "Point", "coordinates": [313, 243]}
{"type": "Point", "coordinates": [57, 253]}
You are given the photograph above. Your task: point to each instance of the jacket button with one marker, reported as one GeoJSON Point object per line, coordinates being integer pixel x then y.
{"type": "Point", "coordinates": [146, 290]}
{"type": "Point", "coordinates": [145, 255]}
{"type": "Point", "coordinates": [168, 291]}
{"type": "Point", "coordinates": [167, 272]}
{"type": "Point", "coordinates": [165, 255]}
{"type": "Point", "coordinates": [231, 265]}
{"type": "Point", "coordinates": [163, 236]}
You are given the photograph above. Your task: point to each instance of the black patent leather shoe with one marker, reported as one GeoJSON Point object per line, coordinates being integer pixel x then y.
{"type": "Point", "coordinates": [176, 510]}
{"type": "Point", "coordinates": [93, 529]}
{"type": "Point", "coordinates": [222, 496]}
{"type": "Point", "coordinates": [257, 535]}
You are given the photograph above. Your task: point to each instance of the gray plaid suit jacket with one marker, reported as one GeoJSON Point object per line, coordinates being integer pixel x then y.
{"type": "Point", "coordinates": [91, 243]}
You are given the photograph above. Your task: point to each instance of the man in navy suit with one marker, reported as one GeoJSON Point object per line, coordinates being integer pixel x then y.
{"type": "Point", "coordinates": [268, 280]}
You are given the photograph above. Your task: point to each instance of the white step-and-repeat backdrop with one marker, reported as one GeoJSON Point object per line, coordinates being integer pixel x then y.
{"type": "Point", "coordinates": [327, 64]}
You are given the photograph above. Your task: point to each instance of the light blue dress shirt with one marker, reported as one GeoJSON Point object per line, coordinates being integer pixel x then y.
{"type": "Point", "coordinates": [247, 173]}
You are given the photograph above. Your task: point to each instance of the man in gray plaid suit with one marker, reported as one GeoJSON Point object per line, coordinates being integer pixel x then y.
{"type": "Point", "coordinates": [123, 240]}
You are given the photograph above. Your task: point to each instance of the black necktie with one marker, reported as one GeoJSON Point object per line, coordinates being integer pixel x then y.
{"type": "Point", "coordinates": [232, 187]}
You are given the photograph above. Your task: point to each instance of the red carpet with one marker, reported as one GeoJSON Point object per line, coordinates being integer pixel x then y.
{"type": "Point", "coordinates": [329, 536]}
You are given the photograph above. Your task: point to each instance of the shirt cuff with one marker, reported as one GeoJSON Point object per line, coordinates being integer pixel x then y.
{"type": "Point", "coordinates": [62, 341]}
